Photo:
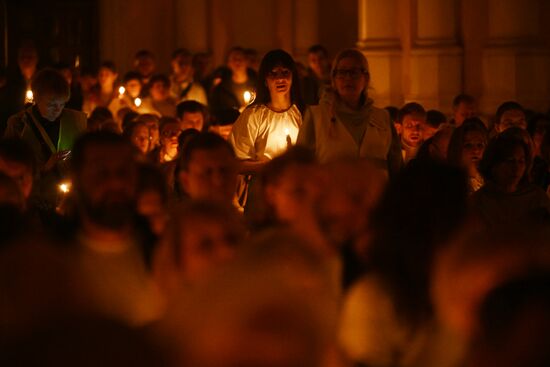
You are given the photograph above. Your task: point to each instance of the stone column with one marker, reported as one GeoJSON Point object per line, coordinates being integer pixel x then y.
{"type": "Point", "coordinates": [380, 41]}
{"type": "Point", "coordinates": [435, 56]}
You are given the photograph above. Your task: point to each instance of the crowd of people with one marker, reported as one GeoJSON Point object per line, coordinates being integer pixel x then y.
{"type": "Point", "coordinates": [266, 213]}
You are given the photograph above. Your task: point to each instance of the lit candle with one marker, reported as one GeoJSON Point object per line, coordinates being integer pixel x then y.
{"type": "Point", "coordinates": [247, 97]}
{"type": "Point", "coordinates": [121, 91]}
{"type": "Point", "coordinates": [65, 187]}
{"type": "Point", "coordinates": [29, 97]}
{"type": "Point", "coordinates": [288, 139]}
{"type": "Point", "coordinates": [137, 102]}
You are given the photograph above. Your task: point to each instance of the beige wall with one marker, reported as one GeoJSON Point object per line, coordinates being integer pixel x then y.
{"type": "Point", "coordinates": [496, 50]}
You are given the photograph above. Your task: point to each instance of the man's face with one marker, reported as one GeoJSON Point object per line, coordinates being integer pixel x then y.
{"type": "Point", "coordinates": [412, 132]}
{"type": "Point", "coordinates": [211, 175]}
{"type": "Point", "coordinates": [21, 174]}
{"type": "Point", "coordinates": [145, 65]}
{"type": "Point", "coordinates": [50, 107]}
{"type": "Point", "coordinates": [512, 118]}
{"type": "Point", "coordinates": [464, 111]}
{"type": "Point", "coordinates": [192, 120]}
{"type": "Point", "coordinates": [106, 185]}
{"type": "Point", "coordinates": [181, 65]}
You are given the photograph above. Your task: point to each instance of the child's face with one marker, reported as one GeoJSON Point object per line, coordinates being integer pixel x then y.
{"type": "Point", "coordinates": [412, 132]}
{"type": "Point", "coordinates": [206, 244]}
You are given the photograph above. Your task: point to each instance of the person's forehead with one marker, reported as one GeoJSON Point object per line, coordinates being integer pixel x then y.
{"type": "Point", "coordinates": [51, 99]}
{"type": "Point", "coordinates": [414, 118]}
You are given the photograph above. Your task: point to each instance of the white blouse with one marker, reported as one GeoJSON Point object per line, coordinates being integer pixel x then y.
{"type": "Point", "coordinates": [260, 131]}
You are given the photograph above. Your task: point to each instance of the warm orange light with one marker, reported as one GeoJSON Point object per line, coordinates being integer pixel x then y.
{"type": "Point", "coordinates": [65, 187]}
{"type": "Point", "coordinates": [29, 97]}
{"type": "Point", "coordinates": [247, 97]}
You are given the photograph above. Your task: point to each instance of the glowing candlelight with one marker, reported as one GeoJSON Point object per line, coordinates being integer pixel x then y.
{"type": "Point", "coordinates": [121, 91]}
{"type": "Point", "coordinates": [29, 97]}
{"type": "Point", "coordinates": [77, 62]}
{"type": "Point", "coordinates": [247, 97]}
{"type": "Point", "coordinates": [137, 102]}
{"type": "Point", "coordinates": [288, 139]}
{"type": "Point", "coordinates": [65, 187]}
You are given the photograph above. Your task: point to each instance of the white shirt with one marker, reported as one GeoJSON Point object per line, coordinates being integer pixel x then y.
{"type": "Point", "coordinates": [260, 131]}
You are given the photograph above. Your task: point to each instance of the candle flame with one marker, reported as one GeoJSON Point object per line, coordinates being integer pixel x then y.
{"type": "Point", "coordinates": [247, 97]}
{"type": "Point", "coordinates": [65, 187]}
{"type": "Point", "coordinates": [287, 131]}
{"type": "Point", "coordinates": [121, 90]}
{"type": "Point", "coordinates": [29, 97]}
{"type": "Point", "coordinates": [137, 102]}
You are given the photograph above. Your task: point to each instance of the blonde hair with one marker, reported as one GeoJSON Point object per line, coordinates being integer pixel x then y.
{"type": "Point", "coordinates": [352, 53]}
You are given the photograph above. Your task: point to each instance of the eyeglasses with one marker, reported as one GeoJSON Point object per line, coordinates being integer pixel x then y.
{"type": "Point", "coordinates": [351, 73]}
{"type": "Point", "coordinates": [281, 74]}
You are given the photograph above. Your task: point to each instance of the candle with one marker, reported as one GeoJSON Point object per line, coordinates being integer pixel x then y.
{"type": "Point", "coordinates": [247, 97]}
{"type": "Point", "coordinates": [288, 139]}
{"type": "Point", "coordinates": [29, 97]}
{"type": "Point", "coordinates": [121, 91]}
{"type": "Point", "coordinates": [137, 102]}
{"type": "Point", "coordinates": [65, 187]}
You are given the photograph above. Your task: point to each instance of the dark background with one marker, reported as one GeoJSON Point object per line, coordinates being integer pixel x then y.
{"type": "Point", "coordinates": [61, 30]}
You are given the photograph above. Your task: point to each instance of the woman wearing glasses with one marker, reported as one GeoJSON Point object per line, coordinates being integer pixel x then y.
{"type": "Point", "coordinates": [345, 124]}
{"type": "Point", "coordinates": [270, 124]}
